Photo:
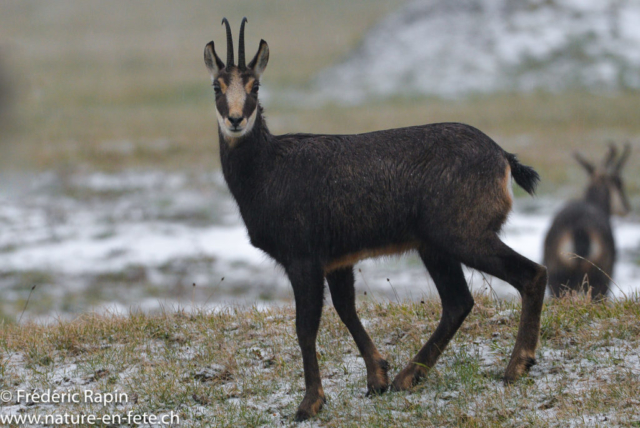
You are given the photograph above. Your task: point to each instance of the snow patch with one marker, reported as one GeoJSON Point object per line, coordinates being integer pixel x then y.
{"type": "Point", "coordinates": [450, 49]}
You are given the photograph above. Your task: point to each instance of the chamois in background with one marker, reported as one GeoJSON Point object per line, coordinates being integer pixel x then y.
{"type": "Point", "coordinates": [579, 250]}
{"type": "Point", "coordinates": [317, 204]}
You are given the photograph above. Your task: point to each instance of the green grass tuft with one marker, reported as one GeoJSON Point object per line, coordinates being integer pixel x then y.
{"type": "Point", "coordinates": [242, 367]}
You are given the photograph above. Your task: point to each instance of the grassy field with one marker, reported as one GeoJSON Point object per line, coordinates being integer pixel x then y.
{"type": "Point", "coordinates": [113, 85]}
{"type": "Point", "coordinates": [118, 86]}
{"type": "Point", "coordinates": [90, 75]}
{"type": "Point", "coordinates": [242, 366]}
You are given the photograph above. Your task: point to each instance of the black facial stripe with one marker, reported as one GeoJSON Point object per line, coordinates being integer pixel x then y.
{"type": "Point", "coordinates": [222, 106]}
{"type": "Point", "coordinates": [249, 107]}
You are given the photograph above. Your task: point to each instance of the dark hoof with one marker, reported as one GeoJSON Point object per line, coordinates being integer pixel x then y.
{"type": "Point", "coordinates": [308, 408]}
{"type": "Point", "coordinates": [402, 384]}
{"type": "Point", "coordinates": [384, 365]}
{"type": "Point", "coordinates": [376, 391]}
{"type": "Point", "coordinates": [409, 377]}
{"type": "Point", "coordinates": [379, 383]}
{"type": "Point", "coordinates": [301, 415]}
{"type": "Point", "coordinates": [508, 381]}
{"type": "Point", "coordinates": [530, 362]}
{"type": "Point", "coordinates": [518, 366]}
{"type": "Point", "coordinates": [394, 388]}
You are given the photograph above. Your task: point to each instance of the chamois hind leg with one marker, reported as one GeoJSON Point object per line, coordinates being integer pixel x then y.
{"type": "Point", "coordinates": [457, 302]}
{"type": "Point", "coordinates": [307, 280]}
{"type": "Point", "coordinates": [344, 300]}
{"type": "Point", "coordinates": [599, 282]}
{"type": "Point", "coordinates": [494, 257]}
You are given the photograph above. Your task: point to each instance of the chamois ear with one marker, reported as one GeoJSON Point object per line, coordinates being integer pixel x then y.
{"type": "Point", "coordinates": [259, 62]}
{"type": "Point", "coordinates": [585, 164]}
{"type": "Point", "coordinates": [212, 61]}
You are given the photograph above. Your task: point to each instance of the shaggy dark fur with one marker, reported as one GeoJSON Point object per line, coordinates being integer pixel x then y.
{"type": "Point", "coordinates": [326, 196]}
{"type": "Point", "coordinates": [579, 249]}
{"type": "Point", "coordinates": [319, 203]}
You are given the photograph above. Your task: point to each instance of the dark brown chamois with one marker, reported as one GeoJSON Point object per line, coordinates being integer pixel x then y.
{"type": "Point", "coordinates": [318, 204]}
{"type": "Point", "coordinates": [579, 249]}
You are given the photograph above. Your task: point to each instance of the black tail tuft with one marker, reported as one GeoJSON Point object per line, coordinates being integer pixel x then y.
{"type": "Point", "coordinates": [525, 176]}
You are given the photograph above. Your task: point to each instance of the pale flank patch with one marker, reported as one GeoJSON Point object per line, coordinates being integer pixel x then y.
{"type": "Point", "coordinates": [353, 258]}
{"type": "Point", "coordinates": [508, 184]}
{"type": "Point", "coordinates": [596, 248]}
{"type": "Point", "coordinates": [567, 249]}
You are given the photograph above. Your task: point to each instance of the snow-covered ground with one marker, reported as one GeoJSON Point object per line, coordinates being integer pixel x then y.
{"type": "Point", "coordinates": [450, 49]}
{"type": "Point", "coordinates": [141, 239]}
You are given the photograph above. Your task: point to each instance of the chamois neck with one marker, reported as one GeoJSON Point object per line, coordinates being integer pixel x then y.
{"type": "Point", "coordinates": [598, 194]}
{"type": "Point", "coordinates": [244, 160]}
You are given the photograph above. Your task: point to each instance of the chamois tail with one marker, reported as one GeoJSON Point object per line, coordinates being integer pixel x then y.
{"type": "Point", "coordinates": [525, 176]}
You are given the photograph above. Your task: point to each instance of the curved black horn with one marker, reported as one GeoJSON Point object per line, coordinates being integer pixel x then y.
{"type": "Point", "coordinates": [229, 44]}
{"type": "Point", "coordinates": [241, 63]}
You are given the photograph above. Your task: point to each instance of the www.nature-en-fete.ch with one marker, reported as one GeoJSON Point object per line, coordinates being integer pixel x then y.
{"type": "Point", "coordinates": [170, 418]}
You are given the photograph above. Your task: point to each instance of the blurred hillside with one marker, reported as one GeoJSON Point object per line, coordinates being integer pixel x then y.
{"type": "Point", "coordinates": [6, 95]}
{"type": "Point", "coordinates": [117, 85]}
{"type": "Point", "coordinates": [444, 48]}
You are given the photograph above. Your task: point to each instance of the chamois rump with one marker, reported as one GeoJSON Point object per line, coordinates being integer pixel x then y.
{"type": "Point", "coordinates": [319, 203]}
{"type": "Point", "coordinates": [579, 248]}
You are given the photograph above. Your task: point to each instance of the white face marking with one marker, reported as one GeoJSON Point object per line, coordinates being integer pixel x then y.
{"type": "Point", "coordinates": [245, 126]}
{"type": "Point", "coordinates": [251, 121]}
{"type": "Point", "coordinates": [236, 95]}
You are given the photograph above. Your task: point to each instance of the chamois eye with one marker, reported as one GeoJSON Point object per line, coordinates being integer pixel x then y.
{"type": "Point", "coordinates": [216, 89]}
{"type": "Point", "coordinates": [254, 89]}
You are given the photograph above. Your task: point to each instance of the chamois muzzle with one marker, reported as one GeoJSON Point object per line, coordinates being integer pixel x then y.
{"type": "Point", "coordinates": [235, 122]}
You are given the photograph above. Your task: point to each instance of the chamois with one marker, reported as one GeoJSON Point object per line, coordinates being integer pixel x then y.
{"type": "Point", "coordinates": [319, 203]}
{"type": "Point", "coordinates": [579, 249]}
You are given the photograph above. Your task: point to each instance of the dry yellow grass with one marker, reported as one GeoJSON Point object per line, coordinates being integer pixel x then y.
{"type": "Point", "coordinates": [242, 366]}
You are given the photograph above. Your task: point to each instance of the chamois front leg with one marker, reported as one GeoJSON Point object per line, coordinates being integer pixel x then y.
{"type": "Point", "coordinates": [307, 280]}
{"type": "Point", "coordinates": [341, 285]}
